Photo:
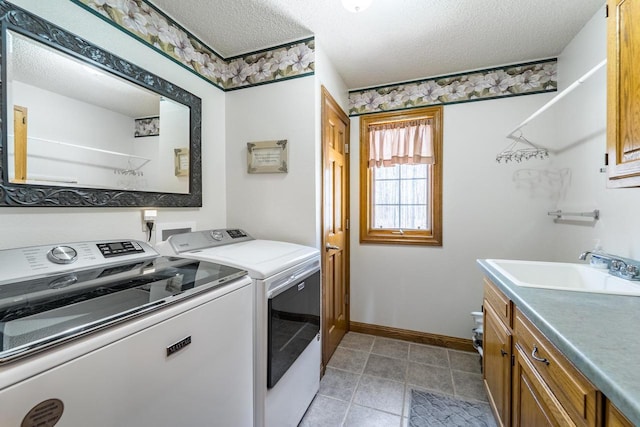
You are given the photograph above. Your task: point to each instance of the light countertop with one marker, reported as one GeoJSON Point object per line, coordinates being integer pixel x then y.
{"type": "Point", "coordinates": [598, 333]}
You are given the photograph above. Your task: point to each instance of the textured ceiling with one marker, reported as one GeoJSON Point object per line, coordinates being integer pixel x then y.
{"type": "Point", "coordinates": [41, 66]}
{"type": "Point", "coordinates": [393, 40]}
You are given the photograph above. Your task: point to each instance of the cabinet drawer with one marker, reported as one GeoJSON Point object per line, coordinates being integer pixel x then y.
{"type": "Point", "coordinates": [534, 404]}
{"type": "Point", "coordinates": [576, 394]}
{"type": "Point", "coordinates": [499, 302]}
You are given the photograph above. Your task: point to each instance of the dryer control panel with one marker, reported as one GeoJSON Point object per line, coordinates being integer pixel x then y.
{"type": "Point", "coordinates": [198, 240]}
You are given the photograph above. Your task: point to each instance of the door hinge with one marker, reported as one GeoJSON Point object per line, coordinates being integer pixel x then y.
{"type": "Point", "coordinates": [513, 360]}
{"type": "Point", "coordinates": [346, 298]}
{"type": "Point", "coordinates": [24, 120]}
{"type": "Point", "coordinates": [346, 148]}
{"type": "Point", "coordinates": [346, 225]}
{"type": "Point", "coordinates": [606, 11]}
{"type": "Point", "coordinates": [606, 159]}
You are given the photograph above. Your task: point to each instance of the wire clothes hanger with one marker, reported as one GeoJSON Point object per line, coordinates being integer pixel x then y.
{"type": "Point", "coordinates": [521, 149]}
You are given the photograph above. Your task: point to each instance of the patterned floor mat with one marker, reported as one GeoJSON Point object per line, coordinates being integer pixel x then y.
{"type": "Point", "coordinates": [435, 410]}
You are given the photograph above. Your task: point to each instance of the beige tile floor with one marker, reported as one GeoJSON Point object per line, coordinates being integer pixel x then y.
{"type": "Point", "coordinates": [369, 379]}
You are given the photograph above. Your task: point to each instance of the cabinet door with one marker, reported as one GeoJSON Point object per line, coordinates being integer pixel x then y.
{"type": "Point", "coordinates": [613, 417]}
{"type": "Point", "coordinates": [623, 93]}
{"type": "Point", "coordinates": [534, 405]}
{"type": "Point", "coordinates": [497, 364]}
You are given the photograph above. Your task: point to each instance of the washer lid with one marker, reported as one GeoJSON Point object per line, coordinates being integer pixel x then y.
{"type": "Point", "coordinates": [38, 313]}
{"type": "Point", "coordinates": [261, 258]}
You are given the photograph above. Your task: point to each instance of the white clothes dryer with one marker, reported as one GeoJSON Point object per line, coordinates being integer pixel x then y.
{"type": "Point", "coordinates": [287, 315]}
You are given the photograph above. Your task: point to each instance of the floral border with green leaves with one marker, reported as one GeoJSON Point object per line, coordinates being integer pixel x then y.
{"type": "Point", "coordinates": [512, 80]}
{"type": "Point", "coordinates": [142, 20]}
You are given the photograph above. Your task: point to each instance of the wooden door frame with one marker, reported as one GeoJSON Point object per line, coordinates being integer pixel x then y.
{"type": "Point", "coordinates": [327, 98]}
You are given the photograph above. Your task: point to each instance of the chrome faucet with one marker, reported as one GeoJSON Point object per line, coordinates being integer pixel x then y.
{"type": "Point", "coordinates": [583, 256]}
{"type": "Point", "coordinates": [617, 266]}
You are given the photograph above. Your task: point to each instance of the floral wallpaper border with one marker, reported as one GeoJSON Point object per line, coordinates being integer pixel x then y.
{"type": "Point", "coordinates": [512, 80]}
{"type": "Point", "coordinates": [146, 23]}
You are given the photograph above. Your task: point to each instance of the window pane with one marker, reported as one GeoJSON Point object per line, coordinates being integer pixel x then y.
{"type": "Point", "coordinates": [414, 192]}
{"type": "Point", "coordinates": [414, 171]}
{"type": "Point", "coordinates": [386, 192]}
{"type": "Point", "coordinates": [413, 217]}
{"type": "Point", "coordinates": [386, 173]}
{"type": "Point", "coordinates": [385, 217]}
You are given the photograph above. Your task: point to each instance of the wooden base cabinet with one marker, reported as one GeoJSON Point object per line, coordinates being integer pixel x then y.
{"type": "Point", "coordinates": [613, 417]}
{"type": "Point", "coordinates": [529, 382]}
{"type": "Point", "coordinates": [497, 364]}
{"type": "Point", "coordinates": [534, 404]}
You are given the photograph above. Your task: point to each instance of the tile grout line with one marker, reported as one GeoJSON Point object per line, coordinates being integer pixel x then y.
{"type": "Point", "coordinates": [453, 383]}
{"type": "Point", "coordinates": [406, 391]}
{"type": "Point", "coordinates": [355, 389]}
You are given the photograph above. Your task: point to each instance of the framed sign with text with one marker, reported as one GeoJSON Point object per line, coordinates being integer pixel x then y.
{"type": "Point", "coordinates": [268, 157]}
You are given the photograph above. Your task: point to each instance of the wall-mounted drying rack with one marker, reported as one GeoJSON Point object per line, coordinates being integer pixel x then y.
{"type": "Point", "coordinates": [595, 214]}
{"type": "Point", "coordinates": [528, 150]}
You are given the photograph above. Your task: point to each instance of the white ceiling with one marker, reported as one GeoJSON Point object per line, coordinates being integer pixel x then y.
{"type": "Point", "coordinates": [41, 66]}
{"type": "Point", "coordinates": [393, 40]}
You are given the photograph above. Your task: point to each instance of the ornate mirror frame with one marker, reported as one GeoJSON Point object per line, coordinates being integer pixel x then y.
{"type": "Point", "coordinates": [22, 195]}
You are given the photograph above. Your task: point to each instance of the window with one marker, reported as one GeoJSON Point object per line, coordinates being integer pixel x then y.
{"type": "Point", "coordinates": [401, 177]}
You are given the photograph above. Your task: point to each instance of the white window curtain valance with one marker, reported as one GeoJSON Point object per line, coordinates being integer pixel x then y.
{"type": "Point", "coordinates": [405, 142]}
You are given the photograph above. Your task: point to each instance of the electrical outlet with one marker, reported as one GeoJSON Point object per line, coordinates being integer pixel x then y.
{"type": "Point", "coordinates": [148, 215]}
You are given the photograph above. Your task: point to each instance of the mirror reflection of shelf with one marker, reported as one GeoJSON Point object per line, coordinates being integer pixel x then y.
{"type": "Point", "coordinates": [133, 165]}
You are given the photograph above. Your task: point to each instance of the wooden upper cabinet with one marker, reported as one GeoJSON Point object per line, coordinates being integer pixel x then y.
{"type": "Point", "coordinates": [623, 92]}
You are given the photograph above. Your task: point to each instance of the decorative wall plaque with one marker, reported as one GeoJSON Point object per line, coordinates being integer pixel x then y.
{"type": "Point", "coordinates": [268, 157]}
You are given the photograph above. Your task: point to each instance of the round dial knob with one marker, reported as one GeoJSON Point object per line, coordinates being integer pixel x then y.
{"type": "Point", "coordinates": [62, 255]}
{"type": "Point", "coordinates": [217, 235]}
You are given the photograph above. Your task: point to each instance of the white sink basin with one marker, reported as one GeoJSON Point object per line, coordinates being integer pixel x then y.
{"type": "Point", "coordinates": [563, 276]}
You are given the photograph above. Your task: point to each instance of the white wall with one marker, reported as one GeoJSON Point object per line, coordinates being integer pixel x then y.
{"type": "Point", "coordinates": [490, 210]}
{"type": "Point", "coordinates": [32, 226]}
{"type": "Point", "coordinates": [278, 206]}
{"type": "Point", "coordinates": [174, 133]}
{"type": "Point", "coordinates": [72, 122]}
{"type": "Point", "coordinates": [584, 125]}
{"type": "Point", "coordinates": [326, 76]}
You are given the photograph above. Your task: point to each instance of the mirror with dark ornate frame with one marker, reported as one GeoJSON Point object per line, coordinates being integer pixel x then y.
{"type": "Point", "coordinates": [105, 168]}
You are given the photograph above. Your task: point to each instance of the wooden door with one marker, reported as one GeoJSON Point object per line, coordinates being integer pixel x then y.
{"type": "Point", "coordinates": [335, 228]}
{"type": "Point", "coordinates": [19, 144]}
{"type": "Point", "coordinates": [497, 364]}
{"type": "Point", "coordinates": [623, 93]}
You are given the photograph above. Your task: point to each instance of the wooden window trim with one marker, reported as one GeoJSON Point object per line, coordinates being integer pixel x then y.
{"type": "Point", "coordinates": [431, 237]}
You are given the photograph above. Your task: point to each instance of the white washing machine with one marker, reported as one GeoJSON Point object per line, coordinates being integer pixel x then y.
{"type": "Point", "coordinates": [111, 334]}
{"type": "Point", "coordinates": [287, 315]}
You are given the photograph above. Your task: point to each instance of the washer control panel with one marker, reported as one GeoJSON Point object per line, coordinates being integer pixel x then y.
{"type": "Point", "coordinates": [33, 261]}
{"type": "Point", "coordinates": [111, 249]}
